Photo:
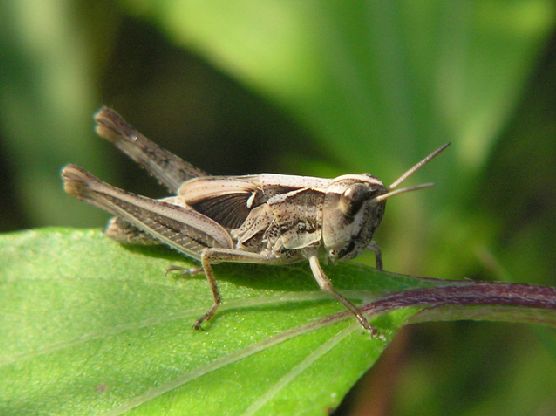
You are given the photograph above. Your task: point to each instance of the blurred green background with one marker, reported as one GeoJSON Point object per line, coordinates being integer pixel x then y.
{"type": "Point", "coordinates": [321, 88]}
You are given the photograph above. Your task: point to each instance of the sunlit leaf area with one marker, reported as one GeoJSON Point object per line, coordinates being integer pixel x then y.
{"type": "Point", "coordinates": [319, 88]}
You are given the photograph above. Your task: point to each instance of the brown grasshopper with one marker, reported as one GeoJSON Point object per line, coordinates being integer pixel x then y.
{"type": "Point", "coordinates": [267, 218]}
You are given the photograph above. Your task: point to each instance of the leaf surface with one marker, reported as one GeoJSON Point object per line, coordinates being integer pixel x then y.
{"type": "Point", "coordinates": [90, 326]}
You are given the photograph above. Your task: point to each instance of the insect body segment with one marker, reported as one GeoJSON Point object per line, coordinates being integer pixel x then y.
{"type": "Point", "coordinates": [267, 218]}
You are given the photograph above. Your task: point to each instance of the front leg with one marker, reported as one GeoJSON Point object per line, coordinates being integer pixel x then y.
{"type": "Point", "coordinates": [373, 246]}
{"type": "Point", "coordinates": [326, 285]}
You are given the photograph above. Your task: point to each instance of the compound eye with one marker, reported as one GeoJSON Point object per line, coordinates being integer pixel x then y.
{"type": "Point", "coordinates": [353, 197]}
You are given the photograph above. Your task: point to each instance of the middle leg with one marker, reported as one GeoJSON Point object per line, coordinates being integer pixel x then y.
{"type": "Point", "coordinates": [211, 256]}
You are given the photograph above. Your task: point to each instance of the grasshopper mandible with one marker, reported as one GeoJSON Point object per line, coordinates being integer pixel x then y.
{"type": "Point", "coordinates": [266, 218]}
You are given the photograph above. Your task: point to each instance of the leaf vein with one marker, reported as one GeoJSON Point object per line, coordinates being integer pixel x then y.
{"type": "Point", "coordinates": [298, 369]}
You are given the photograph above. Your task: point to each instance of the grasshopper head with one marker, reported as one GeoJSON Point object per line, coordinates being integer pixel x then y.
{"type": "Point", "coordinates": [351, 214]}
{"type": "Point", "coordinates": [354, 206]}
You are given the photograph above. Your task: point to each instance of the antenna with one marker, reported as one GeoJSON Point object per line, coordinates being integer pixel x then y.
{"type": "Point", "coordinates": [414, 169]}
{"type": "Point", "coordinates": [383, 197]}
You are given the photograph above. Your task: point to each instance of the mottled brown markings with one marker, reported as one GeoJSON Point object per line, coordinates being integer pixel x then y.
{"type": "Point", "coordinates": [266, 218]}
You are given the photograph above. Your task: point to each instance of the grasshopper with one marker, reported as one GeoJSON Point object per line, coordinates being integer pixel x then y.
{"type": "Point", "coordinates": [266, 218]}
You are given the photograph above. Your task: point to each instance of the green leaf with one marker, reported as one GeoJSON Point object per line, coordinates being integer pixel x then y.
{"type": "Point", "coordinates": [401, 75]}
{"type": "Point", "coordinates": [380, 84]}
{"type": "Point", "coordinates": [90, 326]}
{"type": "Point", "coordinates": [47, 99]}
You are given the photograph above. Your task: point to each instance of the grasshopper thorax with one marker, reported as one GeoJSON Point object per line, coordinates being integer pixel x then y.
{"type": "Point", "coordinates": [351, 214]}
